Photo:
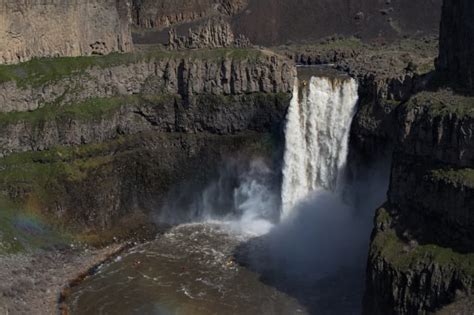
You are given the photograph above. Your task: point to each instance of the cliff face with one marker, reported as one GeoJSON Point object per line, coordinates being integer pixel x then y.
{"type": "Point", "coordinates": [421, 251]}
{"type": "Point", "coordinates": [214, 33]}
{"type": "Point", "coordinates": [269, 22]}
{"type": "Point", "coordinates": [137, 124]}
{"type": "Point", "coordinates": [31, 29]}
{"type": "Point", "coordinates": [218, 72]}
{"type": "Point", "coordinates": [306, 20]}
{"type": "Point", "coordinates": [456, 53]}
{"type": "Point", "coordinates": [159, 14]}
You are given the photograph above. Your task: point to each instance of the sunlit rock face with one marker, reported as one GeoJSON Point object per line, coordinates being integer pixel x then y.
{"type": "Point", "coordinates": [36, 28]}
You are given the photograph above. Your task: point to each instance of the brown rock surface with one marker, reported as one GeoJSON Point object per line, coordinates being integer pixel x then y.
{"type": "Point", "coordinates": [36, 28]}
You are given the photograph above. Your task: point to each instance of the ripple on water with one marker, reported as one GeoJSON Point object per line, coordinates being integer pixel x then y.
{"type": "Point", "coordinates": [188, 270]}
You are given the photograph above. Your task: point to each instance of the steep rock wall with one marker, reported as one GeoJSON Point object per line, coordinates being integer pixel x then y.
{"type": "Point", "coordinates": [278, 22]}
{"type": "Point", "coordinates": [122, 116]}
{"type": "Point", "coordinates": [456, 53]}
{"type": "Point", "coordinates": [421, 251]}
{"type": "Point", "coordinates": [36, 28]}
{"type": "Point", "coordinates": [159, 14]}
{"type": "Point", "coordinates": [405, 277]}
{"type": "Point", "coordinates": [220, 73]}
{"type": "Point", "coordinates": [269, 22]}
{"type": "Point", "coordinates": [136, 126]}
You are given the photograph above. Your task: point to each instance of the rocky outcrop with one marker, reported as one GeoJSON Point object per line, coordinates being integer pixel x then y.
{"type": "Point", "coordinates": [421, 249]}
{"type": "Point", "coordinates": [456, 53]}
{"type": "Point", "coordinates": [421, 252]}
{"type": "Point", "coordinates": [405, 277]}
{"type": "Point", "coordinates": [215, 33]}
{"type": "Point", "coordinates": [31, 29]}
{"type": "Point", "coordinates": [159, 14]}
{"type": "Point", "coordinates": [269, 22]}
{"type": "Point", "coordinates": [203, 72]}
{"type": "Point", "coordinates": [101, 120]}
{"type": "Point", "coordinates": [438, 126]}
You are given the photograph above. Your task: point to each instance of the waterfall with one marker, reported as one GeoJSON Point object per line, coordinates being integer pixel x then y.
{"type": "Point", "coordinates": [317, 137]}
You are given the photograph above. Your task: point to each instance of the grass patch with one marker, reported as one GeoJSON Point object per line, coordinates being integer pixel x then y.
{"type": "Point", "coordinates": [40, 176]}
{"type": "Point", "coordinates": [88, 110]}
{"type": "Point", "coordinates": [383, 217]}
{"type": "Point", "coordinates": [443, 103]}
{"type": "Point", "coordinates": [463, 177]}
{"type": "Point", "coordinates": [22, 230]}
{"type": "Point", "coordinates": [425, 68]}
{"type": "Point", "coordinates": [405, 258]}
{"type": "Point", "coordinates": [39, 71]}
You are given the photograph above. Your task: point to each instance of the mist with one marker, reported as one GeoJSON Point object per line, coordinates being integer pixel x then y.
{"type": "Point", "coordinates": [307, 222]}
{"type": "Point", "coordinates": [244, 196]}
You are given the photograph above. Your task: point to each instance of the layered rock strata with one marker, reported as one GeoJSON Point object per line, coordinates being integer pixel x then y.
{"type": "Point", "coordinates": [225, 72]}
{"type": "Point", "coordinates": [421, 251]}
{"type": "Point", "coordinates": [132, 127]}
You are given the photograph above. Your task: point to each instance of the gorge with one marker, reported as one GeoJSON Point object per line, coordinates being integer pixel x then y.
{"type": "Point", "coordinates": [157, 161]}
{"type": "Point", "coordinates": [220, 258]}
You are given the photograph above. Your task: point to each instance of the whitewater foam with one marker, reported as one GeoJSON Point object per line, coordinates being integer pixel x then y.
{"type": "Point", "coordinates": [317, 138]}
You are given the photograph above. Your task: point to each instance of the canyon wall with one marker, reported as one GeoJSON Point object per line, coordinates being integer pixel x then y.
{"type": "Point", "coordinates": [306, 20]}
{"type": "Point", "coordinates": [159, 14]}
{"type": "Point", "coordinates": [269, 22]}
{"type": "Point", "coordinates": [421, 252]}
{"type": "Point", "coordinates": [136, 124]}
{"type": "Point", "coordinates": [54, 28]}
{"type": "Point", "coordinates": [456, 55]}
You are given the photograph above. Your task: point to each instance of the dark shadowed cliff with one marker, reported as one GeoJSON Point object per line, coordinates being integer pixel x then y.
{"type": "Point", "coordinates": [456, 56]}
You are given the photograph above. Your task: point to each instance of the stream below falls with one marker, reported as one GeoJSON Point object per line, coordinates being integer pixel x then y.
{"type": "Point", "coordinates": [297, 249]}
{"type": "Point", "coordinates": [196, 269]}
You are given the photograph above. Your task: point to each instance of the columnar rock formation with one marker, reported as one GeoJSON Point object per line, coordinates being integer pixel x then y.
{"type": "Point", "coordinates": [159, 14]}
{"type": "Point", "coordinates": [37, 28]}
{"type": "Point", "coordinates": [214, 33]}
{"type": "Point", "coordinates": [144, 122]}
{"type": "Point", "coordinates": [456, 55]}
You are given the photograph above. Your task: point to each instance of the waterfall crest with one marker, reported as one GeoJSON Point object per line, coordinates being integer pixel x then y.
{"type": "Point", "coordinates": [317, 137]}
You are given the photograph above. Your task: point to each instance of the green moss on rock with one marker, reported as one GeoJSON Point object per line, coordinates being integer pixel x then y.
{"type": "Point", "coordinates": [88, 110]}
{"type": "Point", "coordinates": [406, 257]}
{"type": "Point", "coordinates": [442, 103]}
{"type": "Point", "coordinates": [39, 71]}
{"type": "Point", "coordinates": [463, 177]}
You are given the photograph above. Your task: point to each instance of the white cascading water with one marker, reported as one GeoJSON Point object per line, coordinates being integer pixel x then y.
{"type": "Point", "coordinates": [317, 138]}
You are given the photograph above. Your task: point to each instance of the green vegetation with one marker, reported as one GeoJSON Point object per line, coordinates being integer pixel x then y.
{"type": "Point", "coordinates": [426, 67]}
{"type": "Point", "coordinates": [42, 70]}
{"type": "Point", "coordinates": [464, 177]}
{"type": "Point", "coordinates": [22, 230]}
{"type": "Point", "coordinates": [443, 103]}
{"type": "Point", "coordinates": [383, 217]}
{"type": "Point", "coordinates": [88, 110]}
{"type": "Point", "coordinates": [38, 177]}
{"type": "Point", "coordinates": [404, 257]}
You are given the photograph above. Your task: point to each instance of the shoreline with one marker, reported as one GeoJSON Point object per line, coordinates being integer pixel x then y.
{"type": "Point", "coordinates": [37, 283]}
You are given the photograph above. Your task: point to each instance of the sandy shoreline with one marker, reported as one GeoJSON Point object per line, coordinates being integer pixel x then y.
{"type": "Point", "coordinates": [32, 283]}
